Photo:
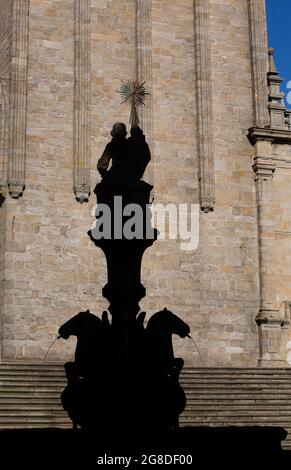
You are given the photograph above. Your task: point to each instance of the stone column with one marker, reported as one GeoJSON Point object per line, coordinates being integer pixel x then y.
{"type": "Point", "coordinates": [259, 56]}
{"type": "Point", "coordinates": [269, 318]}
{"type": "Point", "coordinates": [204, 105]}
{"type": "Point", "coordinates": [82, 101]}
{"type": "Point", "coordinates": [144, 73]}
{"type": "Point", "coordinates": [4, 134]}
{"type": "Point", "coordinates": [18, 96]}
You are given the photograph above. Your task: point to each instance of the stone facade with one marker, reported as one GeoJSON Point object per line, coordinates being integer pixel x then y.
{"type": "Point", "coordinates": [207, 72]}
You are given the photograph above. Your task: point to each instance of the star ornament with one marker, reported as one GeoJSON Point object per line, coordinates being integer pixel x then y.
{"type": "Point", "coordinates": [134, 94]}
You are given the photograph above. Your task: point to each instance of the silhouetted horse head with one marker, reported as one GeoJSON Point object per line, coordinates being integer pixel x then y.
{"type": "Point", "coordinates": [88, 330]}
{"type": "Point", "coordinates": [82, 324]}
{"type": "Point", "coordinates": [161, 326]}
{"type": "Point", "coordinates": [167, 323]}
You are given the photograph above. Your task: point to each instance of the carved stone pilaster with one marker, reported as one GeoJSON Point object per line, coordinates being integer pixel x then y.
{"type": "Point", "coordinates": [18, 96]}
{"type": "Point", "coordinates": [272, 323]}
{"type": "Point", "coordinates": [144, 73]}
{"type": "Point", "coordinates": [4, 134]}
{"type": "Point", "coordinates": [259, 55]}
{"type": "Point", "coordinates": [82, 101]}
{"type": "Point", "coordinates": [269, 318]}
{"type": "Point", "coordinates": [204, 105]}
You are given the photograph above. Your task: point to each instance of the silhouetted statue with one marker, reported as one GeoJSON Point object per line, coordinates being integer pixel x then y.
{"type": "Point", "coordinates": [139, 389]}
{"type": "Point", "coordinates": [129, 157]}
{"type": "Point", "coordinates": [161, 326]}
{"type": "Point", "coordinates": [140, 155]}
{"type": "Point", "coordinates": [116, 152]}
{"type": "Point", "coordinates": [88, 330]}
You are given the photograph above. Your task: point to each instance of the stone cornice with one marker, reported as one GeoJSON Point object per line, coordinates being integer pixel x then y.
{"type": "Point", "coordinates": [270, 317]}
{"type": "Point", "coordinates": [273, 135]}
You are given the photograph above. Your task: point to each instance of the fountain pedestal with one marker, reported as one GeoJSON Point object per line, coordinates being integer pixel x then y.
{"type": "Point", "coordinates": [124, 289]}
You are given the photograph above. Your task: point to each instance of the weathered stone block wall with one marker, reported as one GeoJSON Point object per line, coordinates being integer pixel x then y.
{"type": "Point", "coordinates": [170, 274]}
{"type": "Point", "coordinates": [52, 269]}
{"type": "Point", "coordinates": [216, 288]}
{"type": "Point", "coordinates": [227, 274]}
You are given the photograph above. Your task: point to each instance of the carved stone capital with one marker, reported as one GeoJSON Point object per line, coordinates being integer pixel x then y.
{"type": "Point", "coordinates": [81, 193]}
{"type": "Point", "coordinates": [206, 203]}
{"type": "Point", "coordinates": [264, 168]}
{"type": "Point", "coordinates": [3, 189]}
{"type": "Point", "coordinates": [16, 189]}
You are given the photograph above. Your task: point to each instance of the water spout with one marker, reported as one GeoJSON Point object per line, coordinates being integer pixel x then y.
{"type": "Point", "coordinates": [195, 344]}
{"type": "Point", "coordinates": [50, 347]}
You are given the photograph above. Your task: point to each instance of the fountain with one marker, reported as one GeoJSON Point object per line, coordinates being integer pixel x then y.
{"type": "Point", "coordinates": [125, 376]}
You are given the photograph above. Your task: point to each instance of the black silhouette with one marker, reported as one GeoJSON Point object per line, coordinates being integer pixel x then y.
{"type": "Point", "coordinates": [137, 361]}
{"type": "Point", "coordinates": [125, 375]}
{"type": "Point", "coordinates": [129, 158]}
{"type": "Point", "coordinates": [124, 382]}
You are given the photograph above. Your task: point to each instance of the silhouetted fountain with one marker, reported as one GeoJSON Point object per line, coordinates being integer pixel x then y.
{"type": "Point", "coordinates": [125, 376]}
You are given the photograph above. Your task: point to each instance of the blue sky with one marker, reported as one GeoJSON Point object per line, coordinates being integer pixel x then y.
{"type": "Point", "coordinates": [279, 32]}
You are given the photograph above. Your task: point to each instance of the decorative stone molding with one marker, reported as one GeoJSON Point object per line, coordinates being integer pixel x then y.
{"type": "Point", "coordinates": [4, 134]}
{"type": "Point", "coordinates": [82, 101]}
{"type": "Point", "coordinates": [18, 97]}
{"type": "Point", "coordinates": [144, 73]}
{"type": "Point", "coordinates": [264, 169]}
{"type": "Point", "coordinates": [277, 136]}
{"type": "Point", "coordinates": [259, 55]}
{"type": "Point", "coordinates": [204, 105]}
